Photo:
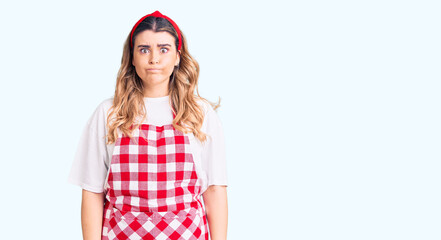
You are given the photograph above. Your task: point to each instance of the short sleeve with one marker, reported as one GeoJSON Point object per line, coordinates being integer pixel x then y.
{"type": "Point", "coordinates": [213, 151]}
{"type": "Point", "coordinates": [89, 168]}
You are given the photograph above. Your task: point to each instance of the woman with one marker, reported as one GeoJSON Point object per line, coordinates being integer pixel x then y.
{"type": "Point", "coordinates": [148, 154]}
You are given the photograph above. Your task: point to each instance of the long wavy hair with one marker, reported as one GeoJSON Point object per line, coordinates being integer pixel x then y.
{"type": "Point", "coordinates": [128, 101]}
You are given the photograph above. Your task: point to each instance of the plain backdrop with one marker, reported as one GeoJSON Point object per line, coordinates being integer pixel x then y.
{"type": "Point", "coordinates": [331, 111]}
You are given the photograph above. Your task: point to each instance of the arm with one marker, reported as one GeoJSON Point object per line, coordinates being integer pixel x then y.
{"type": "Point", "coordinates": [216, 207]}
{"type": "Point", "coordinates": [92, 207]}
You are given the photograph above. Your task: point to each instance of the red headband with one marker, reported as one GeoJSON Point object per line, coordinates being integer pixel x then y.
{"type": "Point", "coordinates": [156, 14]}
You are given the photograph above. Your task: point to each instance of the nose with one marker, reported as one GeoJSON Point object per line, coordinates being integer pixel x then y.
{"type": "Point", "coordinates": [154, 58]}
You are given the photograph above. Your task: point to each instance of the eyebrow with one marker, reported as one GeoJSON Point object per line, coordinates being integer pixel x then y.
{"type": "Point", "coordinates": [159, 45]}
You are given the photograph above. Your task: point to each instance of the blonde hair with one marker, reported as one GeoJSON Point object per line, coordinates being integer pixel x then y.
{"type": "Point", "coordinates": [128, 101]}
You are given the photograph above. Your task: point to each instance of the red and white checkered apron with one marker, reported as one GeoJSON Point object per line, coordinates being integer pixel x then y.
{"type": "Point", "coordinates": [152, 188]}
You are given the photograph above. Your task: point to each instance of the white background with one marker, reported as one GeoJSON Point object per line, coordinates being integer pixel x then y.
{"type": "Point", "coordinates": [331, 111]}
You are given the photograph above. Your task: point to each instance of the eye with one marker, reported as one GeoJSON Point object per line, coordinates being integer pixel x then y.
{"type": "Point", "coordinates": [165, 49]}
{"type": "Point", "coordinates": [142, 50]}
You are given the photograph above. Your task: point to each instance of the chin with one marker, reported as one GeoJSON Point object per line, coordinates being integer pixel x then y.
{"type": "Point", "coordinates": [156, 79]}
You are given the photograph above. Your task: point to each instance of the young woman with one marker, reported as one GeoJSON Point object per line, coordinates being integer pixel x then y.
{"type": "Point", "coordinates": [148, 154]}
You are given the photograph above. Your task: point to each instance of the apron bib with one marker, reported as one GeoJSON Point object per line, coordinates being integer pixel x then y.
{"type": "Point", "coordinates": [152, 188]}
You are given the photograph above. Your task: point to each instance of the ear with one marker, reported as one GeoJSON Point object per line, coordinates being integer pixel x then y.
{"type": "Point", "coordinates": [178, 59]}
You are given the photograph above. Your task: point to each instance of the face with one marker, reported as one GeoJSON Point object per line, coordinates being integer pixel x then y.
{"type": "Point", "coordinates": [154, 57]}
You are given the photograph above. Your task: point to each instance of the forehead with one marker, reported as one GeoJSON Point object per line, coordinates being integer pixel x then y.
{"type": "Point", "coordinates": [152, 38]}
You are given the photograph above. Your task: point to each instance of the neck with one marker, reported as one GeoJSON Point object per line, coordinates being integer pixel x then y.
{"type": "Point", "coordinates": [155, 91]}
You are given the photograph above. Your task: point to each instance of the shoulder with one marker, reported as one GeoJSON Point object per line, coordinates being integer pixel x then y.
{"type": "Point", "coordinates": [97, 120]}
{"type": "Point", "coordinates": [203, 103]}
{"type": "Point", "coordinates": [212, 120]}
{"type": "Point", "coordinates": [105, 105]}
{"type": "Point", "coordinates": [206, 107]}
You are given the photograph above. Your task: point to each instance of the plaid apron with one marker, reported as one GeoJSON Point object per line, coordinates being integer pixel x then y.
{"type": "Point", "coordinates": [152, 188]}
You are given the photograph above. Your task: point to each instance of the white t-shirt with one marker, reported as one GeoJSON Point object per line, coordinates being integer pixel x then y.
{"type": "Point", "coordinates": [92, 159]}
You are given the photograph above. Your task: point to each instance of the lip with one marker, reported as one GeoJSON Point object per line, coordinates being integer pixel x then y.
{"type": "Point", "coordinates": [153, 69]}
